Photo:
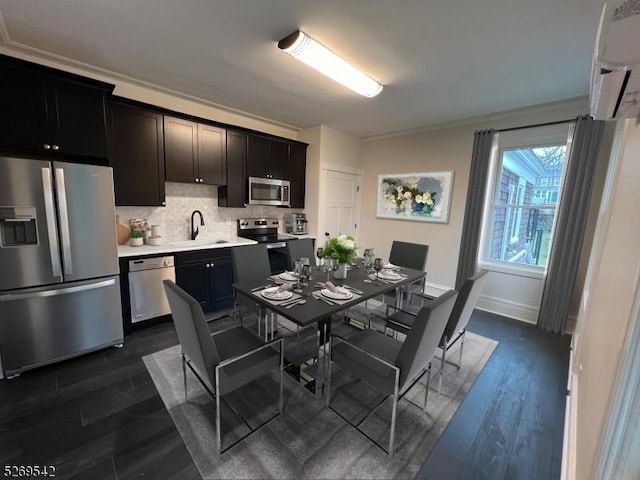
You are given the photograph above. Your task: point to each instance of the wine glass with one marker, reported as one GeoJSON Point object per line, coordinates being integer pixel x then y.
{"type": "Point", "coordinates": [305, 266]}
{"type": "Point", "coordinates": [330, 264]}
{"type": "Point", "coordinates": [369, 255]}
{"type": "Point", "coordinates": [320, 254]}
{"type": "Point", "coordinates": [377, 266]}
{"type": "Point", "coordinates": [297, 271]}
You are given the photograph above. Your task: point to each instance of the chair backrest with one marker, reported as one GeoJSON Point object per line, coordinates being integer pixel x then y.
{"type": "Point", "coordinates": [466, 302]}
{"type": "Point", "coordinates": [193, 332]}
{"type": "Point", "coordinates": [409, 255]}
{"type": "Point", "coordinates": [424, 337]}
{"type": "Point", "coordinates": [302, 247]}
{"type": "Point", "coordinates": [250, 262]}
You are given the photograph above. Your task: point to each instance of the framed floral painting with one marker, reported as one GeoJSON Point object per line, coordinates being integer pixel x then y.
{"type": "Point", "coordinates": [422, 197]}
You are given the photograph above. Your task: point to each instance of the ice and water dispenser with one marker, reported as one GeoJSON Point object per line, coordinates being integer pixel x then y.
{"type": "Point", "coordinates": [18, 226]}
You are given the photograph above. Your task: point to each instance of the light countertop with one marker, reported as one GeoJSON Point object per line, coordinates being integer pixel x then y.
{"type": "Point", "coordinates": [290, 235]}
{"type": "Point", "coordinates": [183, 246]}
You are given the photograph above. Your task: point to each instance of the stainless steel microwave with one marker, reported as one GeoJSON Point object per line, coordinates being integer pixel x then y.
{"type": "Point", "coordinates": [269, 191]}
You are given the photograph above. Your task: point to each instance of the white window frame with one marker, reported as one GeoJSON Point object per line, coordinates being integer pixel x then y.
{"type": "Point", "coordinates": [516, 139]}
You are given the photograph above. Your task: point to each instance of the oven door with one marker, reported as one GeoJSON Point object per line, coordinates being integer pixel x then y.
{"type": "Point", "coordinates": [278, 258]}
{"type": "Point", "coordinates": [268, 191]}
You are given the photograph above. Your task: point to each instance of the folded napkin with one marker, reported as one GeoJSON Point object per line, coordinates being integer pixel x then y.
{"type": "Point", "coordinates": [334, 289]}
{"type": "Point", "coordinates": [284, 287]}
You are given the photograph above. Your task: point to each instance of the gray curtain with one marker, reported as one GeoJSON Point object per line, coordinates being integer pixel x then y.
{"type": "Point", "coordinates": [468, 258]}
{"type": "Point", "coordinates": [586, 136]}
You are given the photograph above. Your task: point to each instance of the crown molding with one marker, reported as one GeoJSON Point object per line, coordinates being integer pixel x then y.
{"type": "Point", "coordinates": [542, 107]}
{"type": "Point", "coordinates": [42, 57]}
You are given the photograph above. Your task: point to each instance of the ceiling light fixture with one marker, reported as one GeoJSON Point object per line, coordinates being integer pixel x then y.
{"type": "Point", "coordinates": [304, 48]}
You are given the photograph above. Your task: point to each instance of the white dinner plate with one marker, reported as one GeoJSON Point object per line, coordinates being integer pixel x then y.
{"type": "Point", "coordinates": [339, 294]}
{"type": "Point", "coordinates": [389, 275]}
{"type": "Point", "coordinates": [274, 293]}
{"type": "Point", "coordinates": [288, 276]}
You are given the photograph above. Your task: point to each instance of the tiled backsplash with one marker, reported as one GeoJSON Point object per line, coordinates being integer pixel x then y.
{"type": "Point", "coordinates": [184, 198]}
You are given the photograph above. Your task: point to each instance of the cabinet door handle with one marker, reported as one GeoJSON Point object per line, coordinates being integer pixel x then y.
{"type": "Point", "coordinates": [55, 147]}
{"type": "Point", "coordinates": [46, 146]}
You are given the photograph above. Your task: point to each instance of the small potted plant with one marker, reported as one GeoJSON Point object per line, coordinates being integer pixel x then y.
{"type": "Point", "coordinates": [136, 238]}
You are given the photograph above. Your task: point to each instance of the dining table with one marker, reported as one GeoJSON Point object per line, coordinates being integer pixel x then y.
{"type": "Point", "coordinates": [313, 305]}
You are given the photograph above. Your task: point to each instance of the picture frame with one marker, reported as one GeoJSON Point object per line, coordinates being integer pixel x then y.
{"type": "Point", "coordinates": [419, 197]}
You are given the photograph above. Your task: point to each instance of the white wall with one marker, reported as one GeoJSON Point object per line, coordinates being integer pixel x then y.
{"type": "Point", "coordinates": [606, 315]}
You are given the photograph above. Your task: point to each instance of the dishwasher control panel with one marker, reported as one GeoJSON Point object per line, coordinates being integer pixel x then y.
{"type": "Point", "coordinates": [151, 263]}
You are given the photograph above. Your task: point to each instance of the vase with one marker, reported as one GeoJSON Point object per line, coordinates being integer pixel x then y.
{"type": "Point", "coordinates": [341, 272]}
{"type": "Point", "coordinates": [122, 231]}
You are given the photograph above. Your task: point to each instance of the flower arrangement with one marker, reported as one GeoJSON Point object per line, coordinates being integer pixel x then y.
{"type": "Point", "coordinates": [403, 196]}
{"type": "Point", "coordinates": [342, 247]}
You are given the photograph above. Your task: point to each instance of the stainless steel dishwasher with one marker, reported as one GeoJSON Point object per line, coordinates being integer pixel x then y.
{"type": "Point", "coordinates": [146, 292]}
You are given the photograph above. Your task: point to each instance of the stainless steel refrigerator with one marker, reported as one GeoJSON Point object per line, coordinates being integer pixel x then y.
{"type": "Point", "coordinates": [59, 287]}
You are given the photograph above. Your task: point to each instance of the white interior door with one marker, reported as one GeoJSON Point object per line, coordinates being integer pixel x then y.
{"type": "Point", "coordinates": [341, 202]}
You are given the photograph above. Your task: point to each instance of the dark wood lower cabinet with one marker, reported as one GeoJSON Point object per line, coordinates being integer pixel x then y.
{"type": "Point", "coordinates": [207, 275]}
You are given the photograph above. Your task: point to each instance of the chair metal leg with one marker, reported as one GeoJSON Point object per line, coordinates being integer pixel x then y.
{"type": "Point", "coordinates": [464, 333]}
{"type": "Point", "coordinates": [392, 434]}
{"type": "Point", "coordinates": [426, 390]}
{"type": "Point", "coordinates": [184, 375]}
{"type": "Point", "coordinates": [218, 440]}
{"type": "Point", "coordinates": [328, 375]}
{"type": "Point", "coordinates": [281, 404]}
{"type": "Point", "coordinates": [444, 355]}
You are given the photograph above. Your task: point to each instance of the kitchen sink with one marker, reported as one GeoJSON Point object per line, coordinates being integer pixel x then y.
{"type": "Point", "coordinates": [197, 243]}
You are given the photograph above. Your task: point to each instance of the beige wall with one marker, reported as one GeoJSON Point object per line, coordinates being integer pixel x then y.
{"type": "Point", "coordinates": [326, 146]}
{"type": "Point", "coordinates": [312, 136]}
{"type": "Point", "coordinates": [449, 149]}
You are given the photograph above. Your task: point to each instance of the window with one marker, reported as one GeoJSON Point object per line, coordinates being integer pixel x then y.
{"type": "Point", "coordinates": [520, 208]}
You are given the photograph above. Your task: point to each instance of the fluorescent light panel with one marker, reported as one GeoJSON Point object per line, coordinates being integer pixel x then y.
{"type": "Point", "coordinates": [304, 48]}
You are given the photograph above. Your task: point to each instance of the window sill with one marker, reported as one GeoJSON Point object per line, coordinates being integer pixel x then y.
{"type": "Point", "coordinates": [519, 270]}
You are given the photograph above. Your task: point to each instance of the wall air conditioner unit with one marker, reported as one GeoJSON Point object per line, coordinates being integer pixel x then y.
{"type": "Point", "coordinates": [615, 77]}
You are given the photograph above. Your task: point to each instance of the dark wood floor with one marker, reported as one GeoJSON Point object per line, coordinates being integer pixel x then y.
{"type": "Point", "coordinates": [99, 416]}
{"type": "Point", "coordinates": [510, 425]}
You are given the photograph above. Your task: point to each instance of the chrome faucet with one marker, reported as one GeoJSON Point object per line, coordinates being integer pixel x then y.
{"type": "Point", "coordinates": [194, 229]}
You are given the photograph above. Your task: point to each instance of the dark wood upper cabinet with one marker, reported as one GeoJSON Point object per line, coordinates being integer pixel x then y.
{"type": "Point", "coordinates": [194, 152]}
{"type": "Point", "coordinates": [297, 173]}
{"type": "Point", "coordinates": [46, 113]}
{"type": "Point", "coordinates": [136, 144]}
{"type": "Point", "coordinates": [212, 154]}
{"type": "Point", "coordinates": [234, 193]}
{"type": "Point", "coordinates": [267, 158]}
{"type": "Point", "coordinates": [278, 159]}
{"type": "Point", "coordinates": [181, 150]}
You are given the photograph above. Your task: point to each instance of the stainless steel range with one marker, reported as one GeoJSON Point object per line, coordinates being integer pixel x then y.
{"type": "Point", "coordinates": [265, 230]}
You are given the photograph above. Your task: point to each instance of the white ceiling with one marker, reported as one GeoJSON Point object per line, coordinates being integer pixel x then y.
{"type": "Point", "coordinates": [440, 60]}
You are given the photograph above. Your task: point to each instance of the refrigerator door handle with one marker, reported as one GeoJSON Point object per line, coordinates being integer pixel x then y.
{"type": "Point", "coordinates": [60, 291]}
{"type": "Point", "coordinates": [61, 193]}
{"type": "Point", "coordinates": [50, 214]}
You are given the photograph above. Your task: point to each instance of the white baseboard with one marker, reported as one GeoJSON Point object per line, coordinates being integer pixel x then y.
{"type": "Point", "coordinates": [435, 289]}
{"type": "Point", "coordinates": [517, 311]}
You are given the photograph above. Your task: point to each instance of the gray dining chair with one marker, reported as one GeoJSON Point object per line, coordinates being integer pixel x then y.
{"type": "Point", "coordinates": [408, 255]}
{"type": "Point", "coordinates": [300, 248]}
{"type": "Point", "coordinates": [388, 365]}
{"type": "Point", "coordinates": [223, 361]}
{"type": "Point", "coordinates": [403, 320]}
{"type": "Point", "coordinates": [250, 263]}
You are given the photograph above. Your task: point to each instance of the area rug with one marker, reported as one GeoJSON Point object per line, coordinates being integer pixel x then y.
{"type": "Point", "coordinates": [310, 441]}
